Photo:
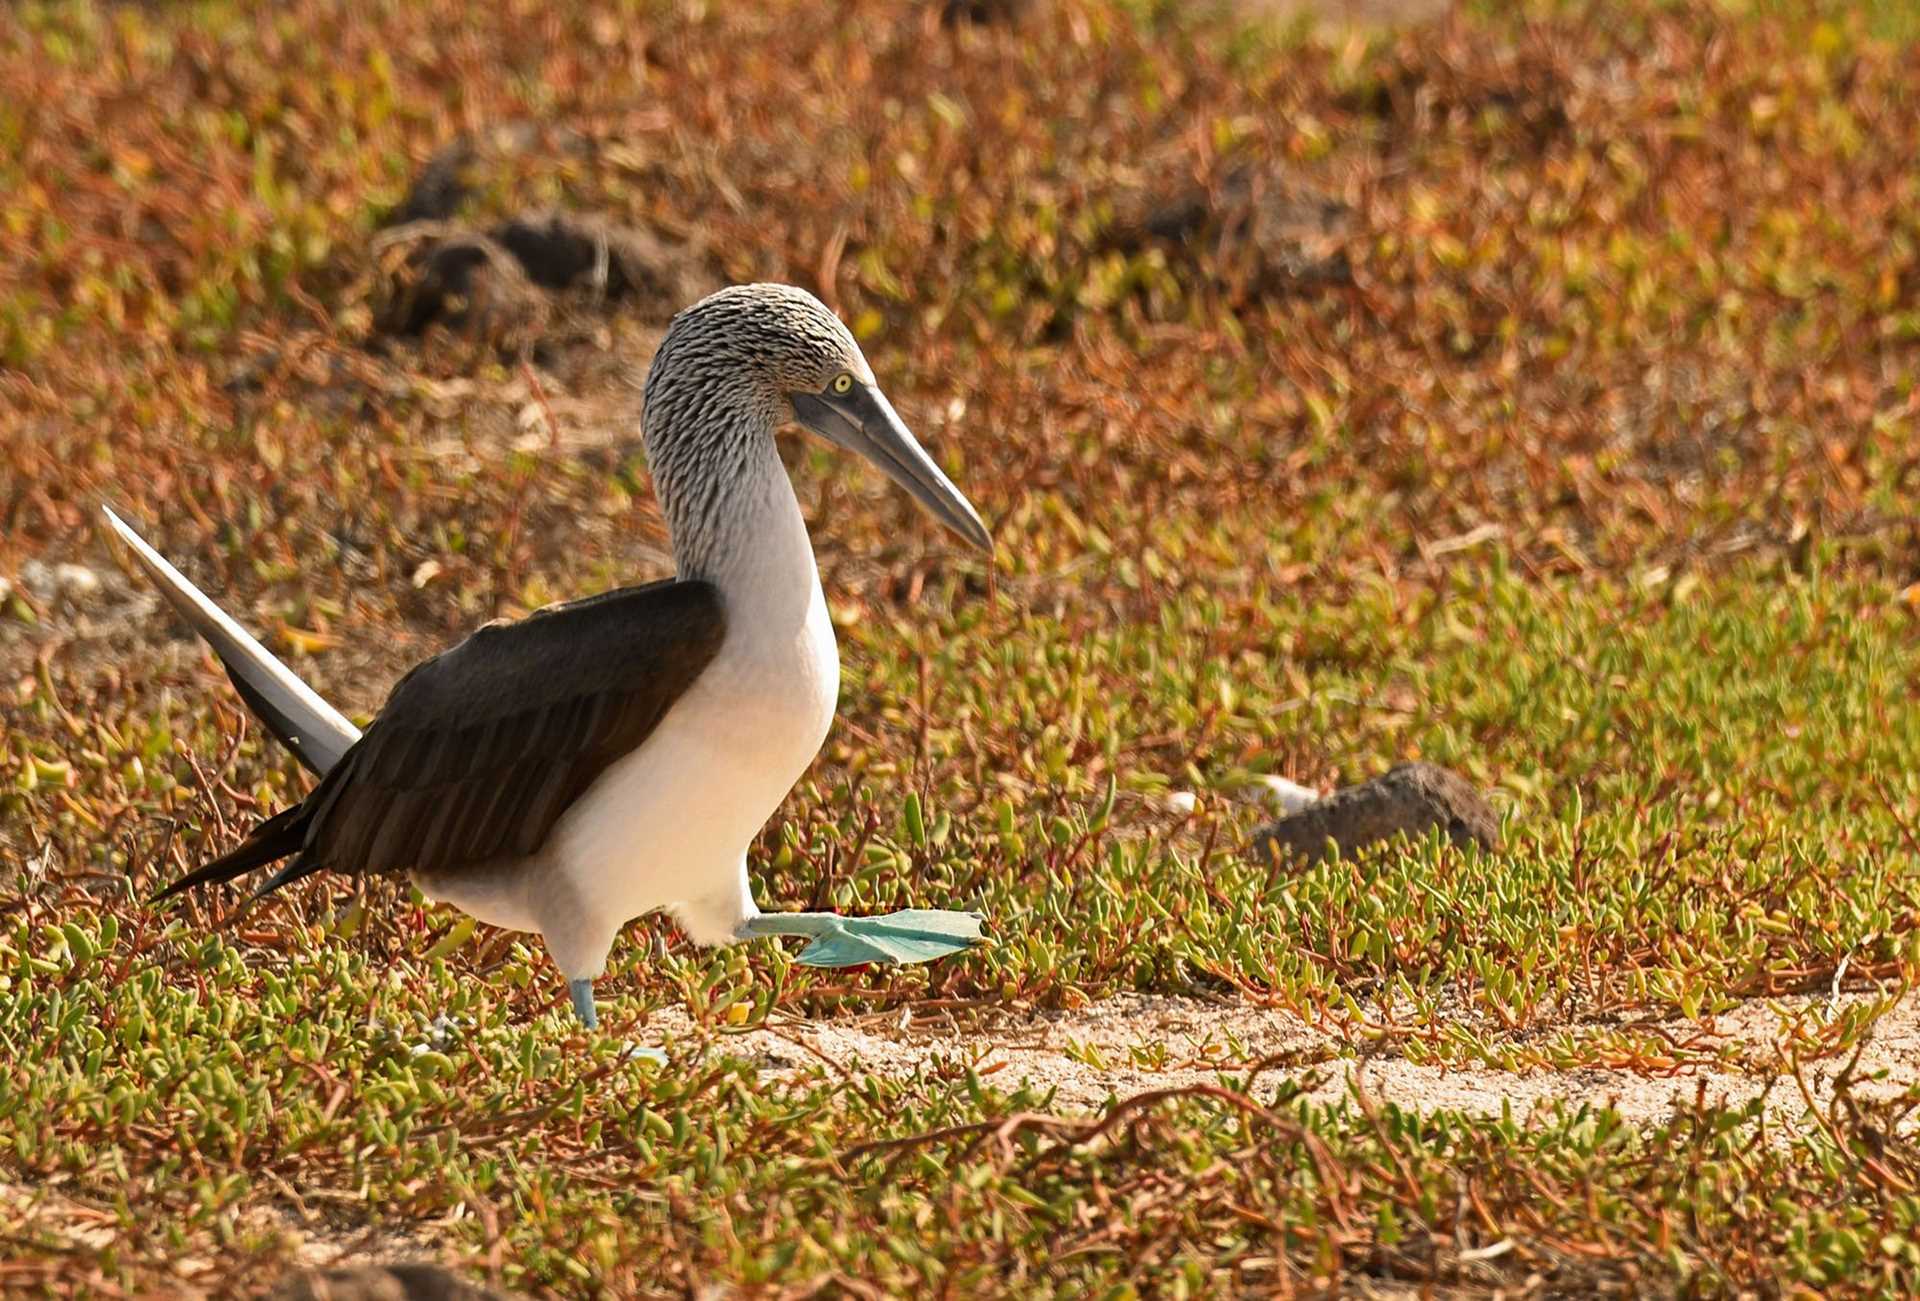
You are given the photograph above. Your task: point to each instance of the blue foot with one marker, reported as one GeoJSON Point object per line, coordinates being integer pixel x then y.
{"type": "Point", "coordinates": [911, 935]}
{"type": "Point", "coordinates": [582, 991]}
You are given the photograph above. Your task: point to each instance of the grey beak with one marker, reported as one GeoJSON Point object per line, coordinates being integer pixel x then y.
{"type": "Point", "coordinates": [863, 421]}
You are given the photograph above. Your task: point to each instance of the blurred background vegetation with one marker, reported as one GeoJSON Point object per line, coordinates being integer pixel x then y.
{"type": "Point", "coordinates": [1529, 388]}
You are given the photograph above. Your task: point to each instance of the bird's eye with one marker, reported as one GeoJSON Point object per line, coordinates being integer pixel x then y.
{"type": "Point", "coordinates": [842, 384]}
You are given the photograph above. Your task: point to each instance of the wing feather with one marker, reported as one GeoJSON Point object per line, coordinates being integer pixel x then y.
{"type": "Point", "coordinates": [479, 751]}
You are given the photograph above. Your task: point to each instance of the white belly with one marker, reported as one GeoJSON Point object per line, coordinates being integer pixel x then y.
{"type": "Point", "coordinates": [669, 826]}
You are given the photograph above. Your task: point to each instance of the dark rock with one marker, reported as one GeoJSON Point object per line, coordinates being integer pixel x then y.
{"type": "Point", "coordinates": [519, 283]}
{"type": "Point", "coordinates": [569, 251]}
{"type": "Point", "coordinates": [1523, 92]}
{"type": "Point", "coordinates": [459, 167]}
{"type": "Point", "coordinates": [502, 286]}
{"type": "Point", "coordinates": [1252, 229]}
{"type": "Point", "coordinates": [982, 13]}
{"type": "Point", "coordinates": [1412, 798]}
{"type": "Point", "coordinates": [434, 273]}
{"type": "Point", "coordinates": [383, 1283]}
{"type": "Point", "coordinates": [440, 188]}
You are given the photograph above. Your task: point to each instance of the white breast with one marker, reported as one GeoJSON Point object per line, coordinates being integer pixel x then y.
{"type": "Point", "coordinates": [669, 825]}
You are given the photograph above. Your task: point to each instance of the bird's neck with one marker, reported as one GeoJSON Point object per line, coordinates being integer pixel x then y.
{"type": "Point", "coordinates": [736, 523]}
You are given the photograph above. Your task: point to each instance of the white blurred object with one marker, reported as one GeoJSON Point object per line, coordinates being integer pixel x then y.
{"type": "Point", "coordinates": [74, 582]}
{"type": "Point", "coordinates": [1287, 796]}
{"type": "Point", "coordinates": [1180, 802]}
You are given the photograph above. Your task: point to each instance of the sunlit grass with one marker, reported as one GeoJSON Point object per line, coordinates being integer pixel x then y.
{"type": "Point", "coordinates": [1595, 486]}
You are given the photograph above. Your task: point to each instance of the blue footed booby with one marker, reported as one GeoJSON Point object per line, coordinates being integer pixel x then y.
{"type": "Point", "coordinates": [617, 755]}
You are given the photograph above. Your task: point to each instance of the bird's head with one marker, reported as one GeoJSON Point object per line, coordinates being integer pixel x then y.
{"type": "Point", "coordinates": [787, 353]}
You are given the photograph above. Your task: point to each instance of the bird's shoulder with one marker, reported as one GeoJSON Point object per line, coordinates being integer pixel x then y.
{"type": "Point", "coordinates": [660, 633]}
{"type": "Point", "coordinates": [480, 750]}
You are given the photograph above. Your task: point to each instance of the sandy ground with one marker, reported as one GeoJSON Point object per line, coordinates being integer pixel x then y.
{"type": "Point", "coordinates": [1112, 1050]}
{"type": "Point", "coordinates": [1128, 1045]}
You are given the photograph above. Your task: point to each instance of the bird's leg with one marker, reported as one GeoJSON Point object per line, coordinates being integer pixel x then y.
{"type": "Point", "coordinates": [582, 991]}
{"type": "Point", "coordinates": [912, 935]}
{"type": "Point", "coordinates": [808, 924]}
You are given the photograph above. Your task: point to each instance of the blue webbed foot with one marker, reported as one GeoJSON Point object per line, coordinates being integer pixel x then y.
{"type": "Point", "coordinates": [910, 935]}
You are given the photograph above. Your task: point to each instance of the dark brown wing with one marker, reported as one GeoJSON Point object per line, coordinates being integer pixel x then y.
{"type": "Point", "coordinates": [478, 751]}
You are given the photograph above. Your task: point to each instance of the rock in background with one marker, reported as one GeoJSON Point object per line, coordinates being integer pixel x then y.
{"type": "Point", "coordinates": [1411, 798]}
{"type": "Point", "coordinates": [1257, 230]}
{"type": "Point", "coordinates": [383, 1283]}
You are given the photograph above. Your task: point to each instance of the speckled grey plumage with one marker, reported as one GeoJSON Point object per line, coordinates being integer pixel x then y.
{"type": "Point", "coordinates": [714, 395]}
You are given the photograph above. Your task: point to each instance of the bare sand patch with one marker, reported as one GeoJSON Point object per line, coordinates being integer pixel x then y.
{"type": "Point", "coordinates": [1132, 1044]}
{"type": "Point", "coordinates": [1090, 1058]}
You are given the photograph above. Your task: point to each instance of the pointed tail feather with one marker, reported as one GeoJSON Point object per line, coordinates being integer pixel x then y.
{"type": "Point", "coordinates": [298, 870]}
{"type": "Point", "coordinates": [282, 834]}
{"type": "Point", "coordinates": [307, 725]}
